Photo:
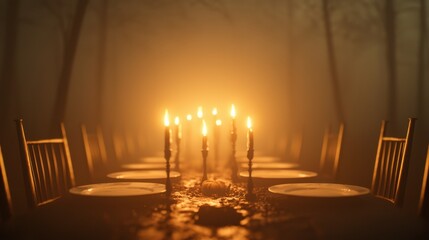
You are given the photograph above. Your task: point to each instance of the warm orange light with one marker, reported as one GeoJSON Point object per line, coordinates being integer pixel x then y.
{"type": "Point", "coordinates": [249, 123]}
{"type": "Point", "coordinates": [200, 112]}
{"type": "Point", "coordinates": [214, 111]}
{"type": "Point", "coordinates": [189, 117]}
{"type": "Point", "coordinates": [204, 128]}
{"type": "Point", "coordinates": [176, 120]}
{"type": "Point", "coordinates": [218, 122]}
{"type": "Point", "coordinates": [233, 111]}
{"type": "Point", "coordinates": [166, 119]}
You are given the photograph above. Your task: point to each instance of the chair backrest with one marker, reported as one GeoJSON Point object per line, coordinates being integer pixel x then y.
{"type": "Point", "coordinates": [293, 147]}
{"type": "Point", "coordinates": [48, 171]}
{"type": "Point", "coordinates": [125, 146]}
{"type": "Point", "coordinates": [331, 150]}
{"type": "Point", "coordinates": [424, 194]}
{"type": "Point", "coordinates": [95, 151]}
{"type": "Point", "coordinates": [391, 164]}
{"type": "Point", "coordinates": [5, 199]}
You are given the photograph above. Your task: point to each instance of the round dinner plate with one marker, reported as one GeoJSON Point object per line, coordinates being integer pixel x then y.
{"type": "Point", "coordinates": [271, 165]}
{"type": "Point", "coordinates": [143, 175]}
{"type": "Point", "coordinates": [119, 189]}
{"type": "Point", "coordinates": [279, 174]}
{"type": "Point", "coordinates": [324, 190]}
{"type": "Point", "coordinates": [146, 165]}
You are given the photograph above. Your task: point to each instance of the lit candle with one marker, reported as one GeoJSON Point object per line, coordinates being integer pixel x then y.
{"type": "Point", "coordinates": [249, 135]}
{"type": "Point", "coordinates": [178, 128]}
{"type": "Point", "coordinates": [215, 141]}
{"type": "Point", "coordinates": [234, 166]}
{"type": "Point", "coordinates": [204, 131]}
{"type": "Point", "coordinates": [200, 112]}
{"type": "Point", "coordinates": [167, 132]}
{"type": "Point", "coordinates": [250, 195]}
{"type": "Point", "coordinates": [233, 114]}
{"type": "Point", "coordinates": [178, 139]}
{"type": "Point", "coordinates": [188, 136]}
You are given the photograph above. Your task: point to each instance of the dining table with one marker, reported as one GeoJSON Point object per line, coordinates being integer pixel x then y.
{"type": "Point", "coordinates": [187, 213]}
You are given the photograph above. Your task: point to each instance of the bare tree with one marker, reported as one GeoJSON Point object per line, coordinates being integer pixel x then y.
{"type": "Point", "coordinates": [390, 38]}
{"type": "Point", "coordinates": [102, 43]}
{"type": "Point", "coordinates": [291, 55]}
{"type": "Point", "coordinates": [332, 61]}
{"type": "Point", "coordinates": [67, 64]}
{"type": "Point", "coordinates": [8, 65]}
{"type": "Point", "coordinates": [421, 58]}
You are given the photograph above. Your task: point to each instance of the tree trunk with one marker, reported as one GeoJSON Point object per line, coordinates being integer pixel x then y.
{"type": "Point", "coordinates": [68, 61]}
{"type": "Point", "coordinates": [421, 59]}
{"type": "Point", "coordinates": [102, 42]}
{"type": "Point", "coordinates": [7, 79]}
{"type": "Point", "coordinates": [332, 62]}
{"type": "Point", "coordinates": [290, 50]}
{"type": "Point", "coordinates": [391, 57]}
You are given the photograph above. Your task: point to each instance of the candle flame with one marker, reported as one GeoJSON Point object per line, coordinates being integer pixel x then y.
{"type": "Point", "coordinates": [249, 123]}
{"type": "Point", "coordinates": [218, 122]}
{"type": "Point", "coordinates": [176, 120]}
{"type": "Point", "coordinates": [204, 128]}
{"type": "Point", "coordinates": [214, 111]}
{"type": "Point", "coordinates": [189, 117]}
{"type": "Point", "coordinates": [233, 111]}
{"type": "Point", "coordinates": [200, 112]}
{"type": "Point", "coordinates": [166, 119]}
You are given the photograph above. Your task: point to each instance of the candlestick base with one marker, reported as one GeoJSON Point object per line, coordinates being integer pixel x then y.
{"type": "Point", "coordinates": [250, 196]}
{"type": "Point", "coordinates": [167, 155]}
{"type": "Point", "coordinates": [168, 187]}
{"type": "Point", "coordinates": [234, 170]}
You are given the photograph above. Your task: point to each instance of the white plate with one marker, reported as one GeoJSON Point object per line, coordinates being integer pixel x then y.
{"type": "Point", "coordinates": [318, 190]}
{"type": "Point", "coordinates": [146, 165]}
{"type": "Point", "coordinates": [119, 189]}
{"type": "Point", "coordinates": [279, 174]}
{"type": "Point", "coordinates": [270, 165]}
{"type": "Point", "coordinates": [264, 159]}
{"type": "Point", "coordinates": [143, 175]}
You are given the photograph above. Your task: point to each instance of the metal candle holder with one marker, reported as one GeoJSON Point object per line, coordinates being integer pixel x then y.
{"type": "Point", "coordinates": [167, 155]}
{"type": "Point", "coordinates": [177, 157]}
{"type": "Point", "coordinates": [204, 152]}
{"type": "Point", "coordinates": [216, 146]}
{"type": "Point", "coordinates": [234, 167]}
{"type": "Point", "coordinates": [250, 195]}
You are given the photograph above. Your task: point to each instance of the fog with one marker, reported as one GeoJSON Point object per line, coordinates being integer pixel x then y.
{"type": "Point", "coordinates": [269, 58]}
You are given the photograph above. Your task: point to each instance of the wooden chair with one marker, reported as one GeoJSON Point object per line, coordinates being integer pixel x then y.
{"type": "Point", "coordinates": [5, 199]}
{"type": "Point", "coordinates": [330, 154]}
{"type": "Point", "coordinates": [424, 194]}
{"type": "Point", "coordinates": [95, 151]}
{"type": "Point", "coordinates": [125, 146]}
{"type": "Point", "coordinates": [47, 166]}
{"type": "Point", "coordinates": [391, 165]}
{"type": "Point", "coordinates": [293, 147]}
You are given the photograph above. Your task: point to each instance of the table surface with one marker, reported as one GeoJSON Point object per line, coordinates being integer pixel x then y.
{"type": "Point", "coordinates": [187, 214]}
